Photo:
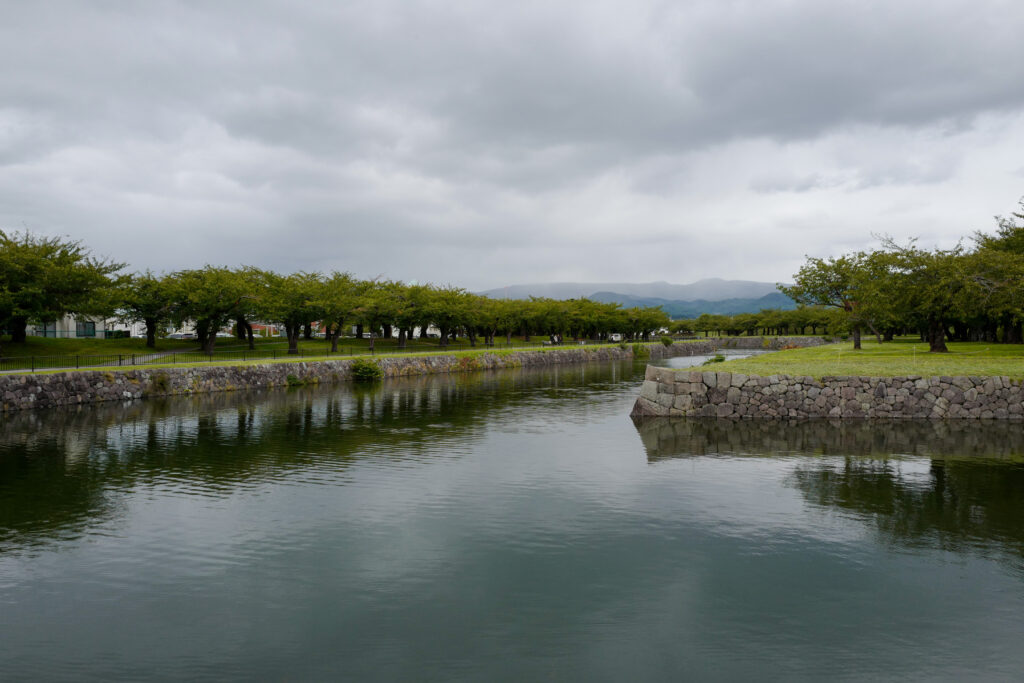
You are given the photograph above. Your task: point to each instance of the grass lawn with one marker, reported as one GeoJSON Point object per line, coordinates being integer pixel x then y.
{"type": "Point", "coordinates": [897, 358]}
{"type": "Point", "coordinates": [41, 354]}
{"type": "Point", "coordinates": [426, 351]}
{"type": "Point", "coordinates": [45, 346]}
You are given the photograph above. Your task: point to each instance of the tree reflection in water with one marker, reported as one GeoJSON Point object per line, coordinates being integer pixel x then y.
{"type": "Point", "coordinates": [63, 471]}
{"type": "Point", "coordinates": [950, 485]}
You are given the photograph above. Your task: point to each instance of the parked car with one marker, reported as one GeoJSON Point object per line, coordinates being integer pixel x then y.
{"type": "Point", "coordinates": [181, 335]}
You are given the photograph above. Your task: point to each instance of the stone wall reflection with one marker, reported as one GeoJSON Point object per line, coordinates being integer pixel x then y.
{"type": "Point", "coordinates": [665, 437]}
{"type": "Point", "coordinates": [64, 470]}
{"type": "Point", "coordinates": [954, 486]}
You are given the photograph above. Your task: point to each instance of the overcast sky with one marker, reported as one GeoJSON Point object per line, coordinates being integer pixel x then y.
{"type": "Point", "coordinates": [485, 144]}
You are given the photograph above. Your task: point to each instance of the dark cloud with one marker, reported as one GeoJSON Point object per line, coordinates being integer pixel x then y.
{"type": "Point", "coordinates": [484, 144]}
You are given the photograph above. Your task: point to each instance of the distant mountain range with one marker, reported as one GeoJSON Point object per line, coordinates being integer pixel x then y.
{"type": "Point", "coordinates": [713, 295]}
{"type": "Point", "coordinates": [691, 309]}
{"type": "Point", "coordinates": [711, 289]}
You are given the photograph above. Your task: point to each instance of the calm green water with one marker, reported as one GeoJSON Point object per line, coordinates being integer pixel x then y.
{"type": "Point", "coordinates": [508, 526]}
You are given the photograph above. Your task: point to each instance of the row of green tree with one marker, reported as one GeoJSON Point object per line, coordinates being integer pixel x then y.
{"type": "Point", "coordinates": [769, 322]}
{"type": "Point", "coordinates": [43, 279]}
{"type": "Point", "coordinates": [973, 293]}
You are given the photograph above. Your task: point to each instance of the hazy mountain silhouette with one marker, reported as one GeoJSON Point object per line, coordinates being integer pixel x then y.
{"type": "Point", "coordinates": [710, 289]}
{"type": "Point", "coordinates": [712, 295]}
{"type": "Point", "coordinates": [692, 309]}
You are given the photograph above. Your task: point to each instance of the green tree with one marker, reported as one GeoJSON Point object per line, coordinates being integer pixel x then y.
{"type": "Point", "coordinates": [840, 283]}
{"type": "Point", "coordinates": [45, 278]}
{"type": "Point", "coordinates": [211, 297]}
{"type": "Point", "coordinates": [927, 288]}
{"type": "Point", "coordinates": [291, 300]}
{"type": "Point", "coordinates": [1009, 235]}
{"type": "Point", "coordinates": [149, 299]}
{"type": "Point", "coordinates": [338, 299]}
{"type": "Point", "coordinates": [448, 309]}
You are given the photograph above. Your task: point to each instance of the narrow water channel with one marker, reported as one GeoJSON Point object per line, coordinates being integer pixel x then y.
{"type": "Point", "coordinates": [512, 525]}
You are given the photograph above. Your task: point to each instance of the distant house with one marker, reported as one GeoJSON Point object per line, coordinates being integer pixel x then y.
{"type": "Point", "coordinates": [86, 327]}
{"type": "Point", "coordinates": [265, 330]}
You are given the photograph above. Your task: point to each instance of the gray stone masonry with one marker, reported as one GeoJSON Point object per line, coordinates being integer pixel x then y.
{"type": "Point", "coordinates": [667, 392]}
{"type": "Point", "coordinates": [26, 391]}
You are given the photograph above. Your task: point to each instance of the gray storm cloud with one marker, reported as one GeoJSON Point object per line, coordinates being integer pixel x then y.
{"type": "Point", "coordinates": [483, 144]}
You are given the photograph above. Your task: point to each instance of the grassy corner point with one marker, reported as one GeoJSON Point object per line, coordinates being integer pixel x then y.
{"type": "Point", "coordinates": [890, 359]}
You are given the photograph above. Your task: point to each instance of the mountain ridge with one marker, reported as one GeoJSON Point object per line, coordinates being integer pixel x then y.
{"type": "Point", "coordinates": [708, 289]}
{"type": "Point", "coordinates": [678, 309]}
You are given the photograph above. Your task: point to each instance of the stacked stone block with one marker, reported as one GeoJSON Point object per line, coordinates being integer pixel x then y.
{"type": "Point", "coordinates": [733, 395]}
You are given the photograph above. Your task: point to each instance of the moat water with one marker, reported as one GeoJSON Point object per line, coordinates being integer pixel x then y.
{"type": "Point", "coordinates": [512, 525]}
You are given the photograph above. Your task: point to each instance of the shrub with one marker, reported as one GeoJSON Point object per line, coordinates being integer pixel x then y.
{"type": "Point", "coordinates": [161, 382]}
{"type": "Point", "coordinates": [364, 370]}
{"type": "Point", "coordinates": [717, 358]}
{"type": "Point", "coordinates": [666, 340]}
{"type": "Point", "coordinates": [641, 351]}
{"type": "Point", "coordinates": [294, 381]}
{"type": "Point", "coordinates": [623, 345]}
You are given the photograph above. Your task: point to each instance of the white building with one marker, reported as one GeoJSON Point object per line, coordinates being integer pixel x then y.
{"type": "Point", "coordinates": [86, 327]}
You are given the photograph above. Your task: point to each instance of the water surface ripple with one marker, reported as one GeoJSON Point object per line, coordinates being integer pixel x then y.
{"type": "Point", "coordinates": [511, 525]}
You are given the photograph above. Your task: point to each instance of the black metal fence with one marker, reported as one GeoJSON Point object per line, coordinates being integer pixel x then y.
{"type": "Point", "coordinates": [74, 362]}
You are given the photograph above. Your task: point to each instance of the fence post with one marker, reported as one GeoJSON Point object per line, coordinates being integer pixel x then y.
{"type": "Point", "coordinates": [76, 362]}
{"type": "Point", "coordinates": [133, 359]}
{"type": "Point", "coordinates": [119, 360]}
{"type": "Point", "coordinates": [33, 363]}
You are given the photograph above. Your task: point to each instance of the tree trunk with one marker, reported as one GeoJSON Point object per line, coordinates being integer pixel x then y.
{"type": "Point", "coordinates": [307, 331]}
{"type": "Point", "coordinates": [202, 328]}
{"type": "Point", "coordinates": [208, 338]}
{"type": "Point", "coordinates": [387, 332]}
{"type": "Point", "coordinates": [856, 336]}
{"type": "Point", "coordinates": [443, 341]}
{"type": "Point", "coordinates": [249, 337]}
{"type": "Point", "coordinates": [336, 335]}
{"type": "Point", "coordinates": [240, 328]}
{"type": "Point", "coordinates": [359, 331]}
{"type": "Point", "coordinates": [292, 332]}
{"type": "Point", "coordinates": [19, 327]}
{"type": "Point", "coordinates": [936, 337]}
{"type": "Point", "coordinates": [1014, 333]}
{"type": "Point", "coordinates": [372, 335]}
{"type": "Point", "coordinates": [402, 336]}
{"type": "Point", "coordinates": [150, 332]}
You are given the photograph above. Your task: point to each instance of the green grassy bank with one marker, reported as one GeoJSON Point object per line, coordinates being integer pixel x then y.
{"type": "Point", "coordinates": [42, 346]}
{"type": "Point", "coordinates": [425, 351]}
{"type": "Point", "coordinates": [890, 359]}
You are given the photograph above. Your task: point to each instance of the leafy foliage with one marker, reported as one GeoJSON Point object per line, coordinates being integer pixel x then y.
{"type": "Point", "coordinates": [364, 370]}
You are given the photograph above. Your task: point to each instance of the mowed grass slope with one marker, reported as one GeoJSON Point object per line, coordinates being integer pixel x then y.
{"type": "Point", "coordinates": [890, 359]}
{"type": "Point", "coordinates": [384, 353]}
{"type": "Point", "coordinates": [43, 346]}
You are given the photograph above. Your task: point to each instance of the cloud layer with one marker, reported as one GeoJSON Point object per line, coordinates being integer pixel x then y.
{"type": "Point", "coordinates": [483, 145]}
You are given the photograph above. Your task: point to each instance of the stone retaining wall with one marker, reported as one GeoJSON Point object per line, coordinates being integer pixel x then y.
{"type": "Point", "coordinates": [733, 395]}
{"type": "Point", "coordinates": [20, 392]}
